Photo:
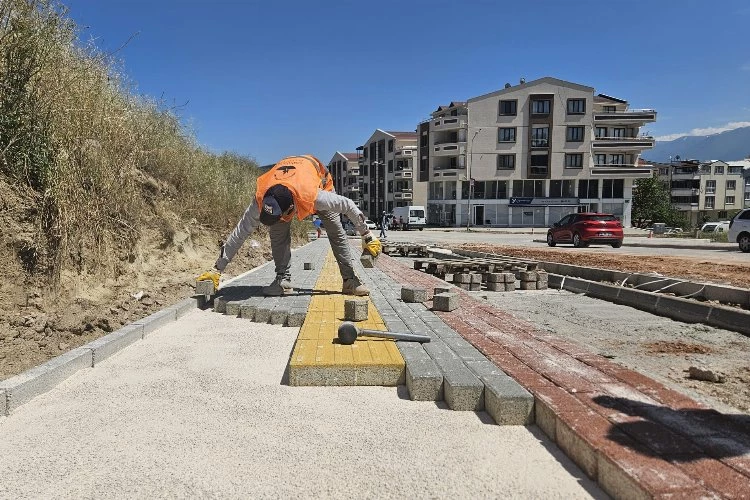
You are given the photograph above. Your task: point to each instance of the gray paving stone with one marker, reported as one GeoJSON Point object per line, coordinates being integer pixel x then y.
{"type": "Point", "coordinates": [528, 276]}
{"type": "Point", "coordinates": [356, 309]}
{"type": "Point", "coordinates": [528, 285]}
{"type": "Point", "coordinates": [483, 367]}
{"type": "Point", "coordinates": [205, 287]}
{"type": "Point", "coordinates": [424, 380]}
{"type": "Point", "coordinates": [25, 386]}
{"type": "Point", "coordinates": [309, 266]}
{"type": "Point", "coordinates": [110, 344]}
{"type": "Point", "coordinates": [3, 403]}
{"type": "Point", "coordinates": [263, 312]}
{"type": "Point", "coordinates": [462, 390]}
{"type": "Point", "coordinates": [442, 289]}
{"type": "Point", "coordinates": [496, 286]}
{"type": "Point", "coordinates": [279, 314]}
{"type": "Point", "coordinates": [185, 306]}
{"type": "Point", "coordinates": [445, 302]}
{"type": "Point", "coordinates": [510, 286]}
{"type": "Point", "coordinates": [506, 401]}
{"type": "Point", "coordinates": [296, 317]}
{"type": "Point", "coordinates": [495, 278]}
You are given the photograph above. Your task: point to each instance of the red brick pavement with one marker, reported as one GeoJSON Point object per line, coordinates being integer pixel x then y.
{"type": "Point", "coordinates": [635, 436]}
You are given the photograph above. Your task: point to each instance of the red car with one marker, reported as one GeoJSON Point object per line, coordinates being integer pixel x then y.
{"type": "Point", "coordinates": [586, 228]}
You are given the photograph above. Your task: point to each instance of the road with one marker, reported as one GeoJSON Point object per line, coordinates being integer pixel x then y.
{"type": "Point", "coordinates": [720, 253]}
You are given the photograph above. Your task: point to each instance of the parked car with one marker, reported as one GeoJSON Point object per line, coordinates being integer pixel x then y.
{"type": "Point", "coordinates": [739, 229]}
{"type": "Point", "coordinates": [370, 225]}
{"type": "Point", "coordinates": [585, 228]}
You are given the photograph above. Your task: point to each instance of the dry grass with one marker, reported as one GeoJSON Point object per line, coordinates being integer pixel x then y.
{"type": "Point", "coordinates": [100, 158]}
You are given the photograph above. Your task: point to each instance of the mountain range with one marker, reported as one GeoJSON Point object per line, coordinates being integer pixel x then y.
{"type": "Point", "coordinates": [726, 146]}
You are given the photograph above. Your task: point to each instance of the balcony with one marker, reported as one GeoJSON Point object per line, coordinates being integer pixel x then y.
{"type": "Point", "coordinates": [449, 123]}
{"type": "Point", "coordinates": [406, 151]}
{"type": "Point", "coordinates": [618, 143]}
{"type": "Point", "coordinates": [403, 174]}
{"type": "Point", "coordinates": [449, 149]}
{"type": "Point", "coordinates": [623, 170]}
{"type": "Point", "coordinates": [685, 192]}
{"type": "Point", "coordinates": [631, 116]}
{"type": "Point", "coordinates": [401, 195]}
{"type": "Point", "coordinates": [352, 172]}
{"type": "Point", "coordinates": [353, 188]}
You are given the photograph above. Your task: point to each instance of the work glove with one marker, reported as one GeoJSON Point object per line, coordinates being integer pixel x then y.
{"type": "Point", "coordinates": [371, 244]}
{"type": "Point", "coordinates": [212, 275]}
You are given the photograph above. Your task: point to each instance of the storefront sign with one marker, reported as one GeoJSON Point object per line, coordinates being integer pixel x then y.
{"type": "Point", "coordinates": [543, 202]}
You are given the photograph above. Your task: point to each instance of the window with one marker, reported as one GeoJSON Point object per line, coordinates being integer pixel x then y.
{"type": "Point", "coordinates": [390, 146]}
{"type": "Point", "coordinates": [561, 189]}
{"type": "Point", "coordinates": [588, 188]}
{"type": "Point", "coordinates": [600, 159]}
{"type": "Point", "coordinates": [574, 134]}
{"type": "Point", "coordinates": [506, 162]}
{"type": "Point", "coordinates": [539, 164]}
{"type": "Point", "coordinates": [528, 188]}
{"type": "Point", "coordinates": [618, 132]}
{"type": "Point", "coordinates": [601, 131]}
{"type": "Point", "coordinates": [735, 170]}
{"type": "Point", "coordinates": [390, 187]}
{"type": "Point", "coordinates": [502, 190]}
{"type": "Point", "coordinates": [617, 160]}
{"type": "Point", "coordinates": [576, 106]}
{"type": "Point", "coordinates": [479, 190]}
{"type": "Point", "coordinates": [610, 109]}
{"type": "Point", "coordinates": [747, 197]}
{"type": "Point", "coordinates": [730, 200]}
{"type": "Point", "coordinates": [719, 170]}
{"type": "Point", "coordinates": [710, 201]}
{"type": "Point", "coordinates": [612, 188]}
{"type": "Point", "coordinates": [390, 166]}
{"type": "Point", "coordinates": [424, 140]}
{"type": "Point", "coordinates": [539, 136]}
{"type": "Point", "coordinates": [506, 134]}
{"type": "Point", "coordinates": [423, 165]}
{"type": "Point", "coordinates": [663, 170]}
{"type": "Point", "coordinates": [574, 160]}
{"type": "Point", "coordinates": [365, 169]}
{"type": "Point", "coordinates": [710, 187]}
{"type": "Point", "coordinates": [508, 108]}
{"type": "Point", "coordinates": [731, 185]}
{"type": "Point", "coordinates": [540, 106]}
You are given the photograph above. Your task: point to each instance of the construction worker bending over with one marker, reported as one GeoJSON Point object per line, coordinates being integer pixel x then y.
{"type": "Point", "coordinates": [298, 185]}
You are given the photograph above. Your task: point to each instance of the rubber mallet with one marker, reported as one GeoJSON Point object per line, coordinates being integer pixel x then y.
{"type": "Point", "coordinates": [348, 333]}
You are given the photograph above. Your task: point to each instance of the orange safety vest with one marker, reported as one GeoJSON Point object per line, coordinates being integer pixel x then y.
{"type": "Point", "coordinates": [303, 175]}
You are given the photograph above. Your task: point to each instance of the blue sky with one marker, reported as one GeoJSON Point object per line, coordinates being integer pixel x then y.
{"type": "Point", "coordinates": [273, 78]}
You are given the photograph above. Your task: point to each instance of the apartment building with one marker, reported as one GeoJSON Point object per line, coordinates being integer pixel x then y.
{"type": "Point", "coordinates": [347, 179]}
{"type": "Point", "coordinates": [388, 164]}
{"type": "Point", "coordinates": [745, 164]}
{"type": "Point", "coordinates": [704, 191]}
{"type": "Point", "coordinates": [529, 154]}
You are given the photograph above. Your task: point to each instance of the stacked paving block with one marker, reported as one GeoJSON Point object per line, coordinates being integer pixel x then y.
{"type": "Point", "coordinates": [527, 280]}
{"type": "Point", "coordinates": [542, 280]}
{"type": "Point", "coordinates": [501, 282]}
{"type": "Point", "coordinates": [462, 280]}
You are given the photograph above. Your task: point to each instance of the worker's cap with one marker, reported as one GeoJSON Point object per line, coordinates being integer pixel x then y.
{"type": "Point", "coordinates": [277, 200]}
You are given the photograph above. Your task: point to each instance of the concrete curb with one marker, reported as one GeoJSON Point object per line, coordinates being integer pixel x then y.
{"type": "Point", "coordinates": [728, 247]}
{"type": "Point", "coordinates": [676, 308]}
{"type": "Point", "coordinates": [25, 386]}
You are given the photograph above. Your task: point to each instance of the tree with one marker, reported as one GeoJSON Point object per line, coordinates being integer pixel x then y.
{"type": "Point", "coordinates": [651, 203]}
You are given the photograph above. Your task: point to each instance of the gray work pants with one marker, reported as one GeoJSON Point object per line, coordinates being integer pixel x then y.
{"type": "Point", "coordinates": [281, 245]}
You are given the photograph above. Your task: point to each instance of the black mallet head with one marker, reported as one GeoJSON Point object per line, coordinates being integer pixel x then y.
{"type": "Point", "coordinates": [348, 333]}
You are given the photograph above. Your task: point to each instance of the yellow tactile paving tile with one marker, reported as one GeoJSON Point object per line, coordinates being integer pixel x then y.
{"type": "Point", "coordinates": [318, 359]}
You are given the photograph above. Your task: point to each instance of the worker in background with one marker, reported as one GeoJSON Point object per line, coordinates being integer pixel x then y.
{"type": "Point", "coordinates": [301, 186]}
{"type": "Point", "coordinates": [383, 224]}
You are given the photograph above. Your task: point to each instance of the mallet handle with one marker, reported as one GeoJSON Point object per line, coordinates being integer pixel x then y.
{"type": "Point", "coordinates": [411, 337]}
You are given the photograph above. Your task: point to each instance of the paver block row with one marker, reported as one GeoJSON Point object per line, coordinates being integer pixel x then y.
{"type": "Point", "coordinates": [469, 381]}
{"type": "Point", "coordinates": [604, 459]}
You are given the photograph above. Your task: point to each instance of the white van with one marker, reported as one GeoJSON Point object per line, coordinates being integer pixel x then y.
{"type": "Point", "coordinates": [413, 217]}
{"type": "Point", "coordinates": [715, 227]}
